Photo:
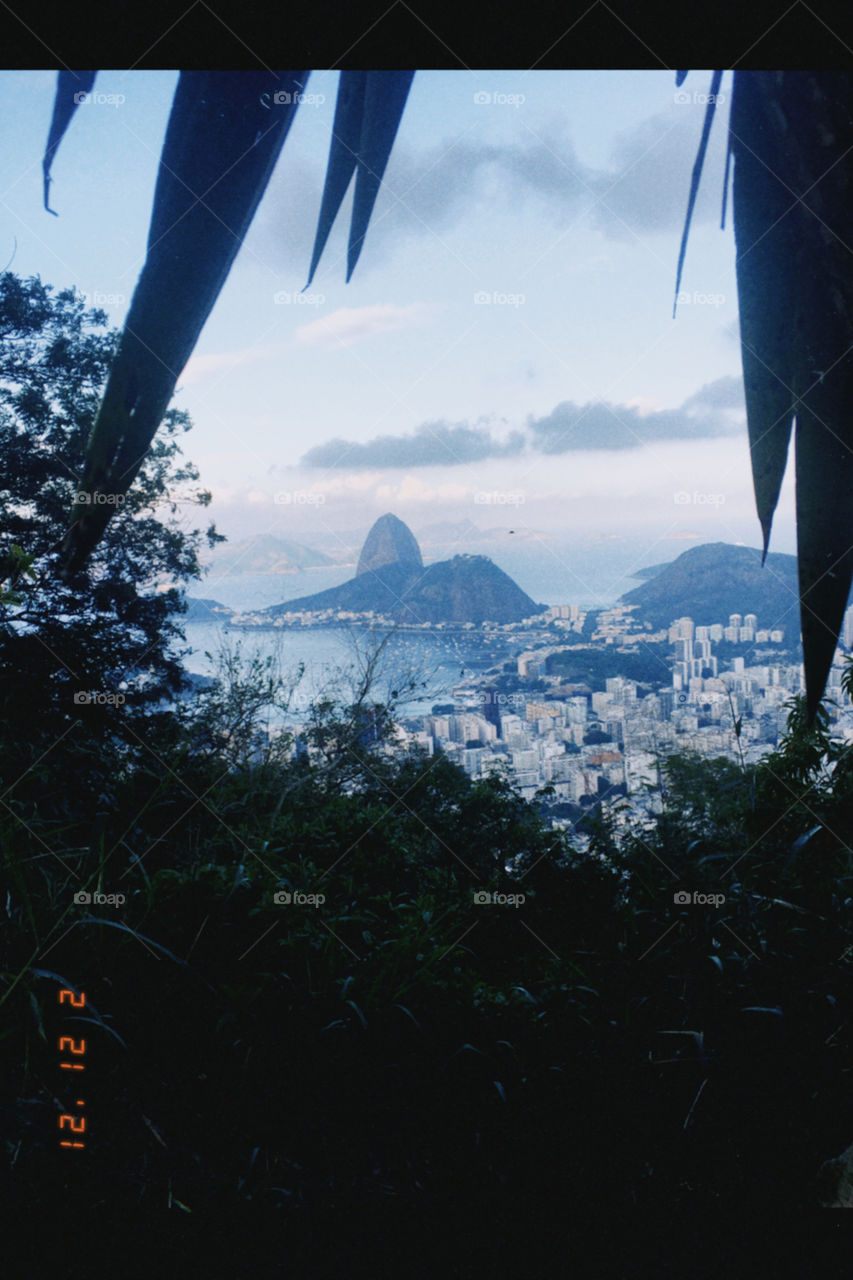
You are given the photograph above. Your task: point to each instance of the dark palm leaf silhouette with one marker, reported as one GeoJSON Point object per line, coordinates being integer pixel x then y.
{"type": "Point", "coordinates": [224, 136]}
{"type": "Point", "coordinates": [789, 135]}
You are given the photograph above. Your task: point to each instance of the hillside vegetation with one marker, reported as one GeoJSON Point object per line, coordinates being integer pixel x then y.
{"type": "Point", "coordinates": [402, 1050]}
{"type": "Point", "coordinates": [451, 1015]}
{"type": "Point", "coordinates": [710, 582]}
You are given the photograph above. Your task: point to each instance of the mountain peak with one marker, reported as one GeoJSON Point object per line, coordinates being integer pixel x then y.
{"type": "Point", "coordinates": [711, 581]}
{"type": "Point", "coordinates": [390, 541]}
{"type": "Point", "coordinates": [391, 581]}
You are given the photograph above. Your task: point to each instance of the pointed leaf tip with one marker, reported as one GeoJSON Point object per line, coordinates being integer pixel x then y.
{"type": "Point", "coordinates": [765, 533]}
{"type": "Point", "coordinates": [367, 115]}
{"type": "Point", "coordinates": [343, 154]}
{"type": "Point", "coordinates": [385, 97]}
{"type": "Point", "coordinates": [696, 175]}
{"type": "Point", "coordinates": [71, 87]}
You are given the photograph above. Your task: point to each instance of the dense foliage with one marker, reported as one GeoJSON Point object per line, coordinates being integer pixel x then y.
{"type": "Point", "coordinates": [403, 1050]}
{"type": "Point", "coordinates": [88, 660]}
{"type": "Point", "coordinates": [378, 1053]}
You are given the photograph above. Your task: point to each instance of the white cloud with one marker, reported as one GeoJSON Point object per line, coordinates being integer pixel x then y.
{"type": "Point", "coordinates": [199, 368]}
{"type": "Point", "coordinates": [414, 490]}
{"type": "Point", "coordinates": [348, 325]}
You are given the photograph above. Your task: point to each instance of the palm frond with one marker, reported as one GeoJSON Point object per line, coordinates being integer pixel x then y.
{"type": "Point", "coordinates": [224, 136]}
{"type": "Point", "coordinates": [696, 176]}
{"type": "Point", "coordinates": [763, 238]}
{"type": "Point", "coordinates": [790, 135]}
{"type": "Point", "coordinates": [367, 115]}
{"type": "Point", "coordinates": [70, 84]}
{"type": "Point", "coordinates": [222, 141]}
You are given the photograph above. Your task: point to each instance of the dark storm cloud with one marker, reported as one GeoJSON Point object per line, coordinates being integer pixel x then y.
{"type": "Point", "coordinates": [648, 184]}
{"type": "Point", "coordinates": [725, 393]}
{"type": "Point", "coordinates": [428, 192]}
{"type": "Point", "coordinates": [569, 426]}
{"type": "Point", "coordinates": [572, 426]}
{"type": "Point", "coordinates": [644, 188]}
{"type": "Point", "coordinates": [599, 425]}
{"type": "Point", "coordinates": [432, 444]}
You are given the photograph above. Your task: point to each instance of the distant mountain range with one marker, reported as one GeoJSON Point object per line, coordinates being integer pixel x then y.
{"type": "Point", "coordinates": [265, 553]}
{"type": "Point", "coordinates": [393, 581]}
{"type": "Point", "coordinates": [707, 583]}
{"type": "Point", "coordinates": [710, 582]}
{"type": "Point", "coordinates": [202, 610]}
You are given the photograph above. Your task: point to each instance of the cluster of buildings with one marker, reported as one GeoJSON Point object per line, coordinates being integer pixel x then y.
{"type": "Point", "coordinates": [585, 745]}
{"type": "Point", "coordinates": [375, 619]}
{"type": "Point", "coordinates": [694, 656]}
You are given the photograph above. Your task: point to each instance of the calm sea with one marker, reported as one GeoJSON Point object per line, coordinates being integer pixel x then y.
{"type": "Point", "coordinates": [591, 575]}
{"type": "Point", "coordinates": [334, 656]}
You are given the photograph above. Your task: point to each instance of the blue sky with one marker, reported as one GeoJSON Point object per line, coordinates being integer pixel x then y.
{"type": "Point", "coordinates": [505, 350]}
